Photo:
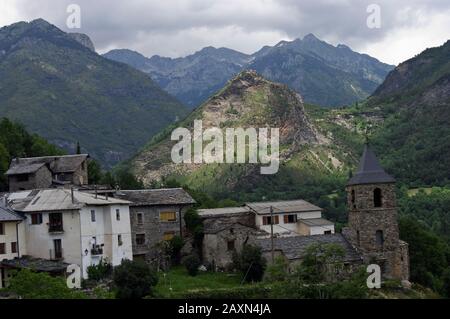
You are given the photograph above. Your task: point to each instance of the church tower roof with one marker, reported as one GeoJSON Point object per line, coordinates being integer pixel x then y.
{"type": "Point", "coordinates": [370, 170]}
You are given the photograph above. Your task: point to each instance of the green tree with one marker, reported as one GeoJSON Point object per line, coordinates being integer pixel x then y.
{"type": "Point", "coordinates": [32, 285]}
{"type": "Point", "coordinates": [427, 253]}
{"type": "Point", "coordinates": [134, 279]}
{"type": "Point", "coordinates": [95, 173]}
{"type": "Point", "coordinates": [250, 263]}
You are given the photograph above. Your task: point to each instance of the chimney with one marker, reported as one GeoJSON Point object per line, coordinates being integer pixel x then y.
{"type": "Point", "coordinates": [106, 195]}
{"type": "Point", "coordinates": [95, 187]}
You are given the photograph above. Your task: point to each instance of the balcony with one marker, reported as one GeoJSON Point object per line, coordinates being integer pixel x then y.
{"type": "Point", "coordinates": [97, 250]}
{"type": "Point", "coordinates": [55, 228]}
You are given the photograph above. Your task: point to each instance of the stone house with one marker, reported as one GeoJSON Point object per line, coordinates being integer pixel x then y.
{"type": "Point", "coordinates": [293, 248]}
{"type": "Point", "coordinates": [226, 230]}
{"type": "Point", "coordinates": [156, 215]}
{"type": "Point", "coordinates": [47, 171]}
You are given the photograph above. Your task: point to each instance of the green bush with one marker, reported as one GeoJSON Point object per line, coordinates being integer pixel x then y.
{"type": "Point", "coordinates": [100, 271]}
{"type": "Point", "coordinates": [134, 279]}
{"type": "Point", "coordinates": [250, 263]}
{"type": "Point", "coordinates": [32, 285]}
{"type": "Point", "coordinates": [192, 262]}
{"type": "Point", "coordinates": [176, 244]}
{"type": "Point", "coordinates": [278, 271]}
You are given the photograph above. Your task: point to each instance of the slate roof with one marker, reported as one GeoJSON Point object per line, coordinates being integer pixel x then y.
{"type": "Point", "coordinates": [215, 226]}
{"type": "Point", "coordinates": [9, 215]}
{"type": "Point", "coordinates": [316, 222]}
{"type": "Point", "coordinates": [294, 247]}
{"type": "Point", "coordinates": [57, 164]}
{"type": "Point", "coordinates": [370, 170]}
{"type": "Point", "coordinates": [37, 264]}
{"type": "Point", "coordinates": [150, 197]}
{"type": "Point", "coordinates": [57, 199]}
{"type": "Point", "coordinates": [225, 212]}
{"type": "Point", "coordinates": [289, 206]}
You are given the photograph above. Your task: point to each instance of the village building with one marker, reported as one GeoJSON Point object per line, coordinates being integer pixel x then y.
{"type": "Point", "coordinates": [47, 171]}
{"type": "Point", "coordinates": [287, 228]}
{"type": "Point", "coordinates": [290, 218]}
{"type": "Point", "coordinates": [156, 215]}
{"type": "Point", "coordinates": [12, 238]}
{"type": "Point", "coordinates": [293, 248]}
{"type": "Point", "coordinates": [227, 230]}
{"type": "Point", "coordinates": [73, 227]}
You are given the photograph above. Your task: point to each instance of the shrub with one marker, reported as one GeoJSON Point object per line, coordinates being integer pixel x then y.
{"type": "Point", "coordinates": [176, 244]}
{"type": "Point", "coordinates": [250, 263]}
{"type": "Point", "coordinates": [32, 285]}
{"type": "Point", "coordinates": [100, 271]}
{"type": "Point", "coordinates": [192, 262]}
{"type": "Point", "coordinates": [278, 271]}
{"type": "Point", "coordinates": [134, 279]}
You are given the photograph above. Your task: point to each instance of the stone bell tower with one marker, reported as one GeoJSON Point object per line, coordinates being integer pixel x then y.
{"type": "Point", "coordinates": [372, 218]}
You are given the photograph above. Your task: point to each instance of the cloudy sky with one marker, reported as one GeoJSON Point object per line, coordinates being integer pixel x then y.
{"type": "Point", "coordinates": [180, 27]}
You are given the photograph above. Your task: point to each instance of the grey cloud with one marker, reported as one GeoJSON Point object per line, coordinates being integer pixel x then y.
{"type": "Point", "coordinates": [180, 27]}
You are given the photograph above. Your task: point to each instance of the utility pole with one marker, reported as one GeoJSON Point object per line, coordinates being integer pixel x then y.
{"type": "Point", "coordinates": [271, 232]}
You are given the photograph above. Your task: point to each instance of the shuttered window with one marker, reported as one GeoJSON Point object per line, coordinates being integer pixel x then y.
{"type": "Point", "coordinates": [168, 216]}
{"type": "Point", "coordinates": [290, 219]}
{"type": "Point", "coordinates": [267, 220]}
{"type": "Point", "coordinates": [168, 235]}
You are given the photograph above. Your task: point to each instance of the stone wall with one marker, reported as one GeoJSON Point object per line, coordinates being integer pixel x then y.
{"type": "Point", "coordinates": [365, 220]}
{"type": "Point", "coordinates": [153, 228]}
{"type": "Point", "coordinates": [42, 178]}
{"type": "Point", "coordinates": [216, 252]}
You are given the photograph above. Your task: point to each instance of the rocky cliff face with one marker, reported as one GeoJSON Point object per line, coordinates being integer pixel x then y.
{"type": "Point", "coordinates": [248, 100]}
{"type": "Point", "coordinates": [83, 39]}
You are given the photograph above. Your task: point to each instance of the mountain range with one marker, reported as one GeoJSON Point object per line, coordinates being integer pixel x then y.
{"type": "Point", "coordinates": [57, 86]}
{"type": "Point", "coordinates": [324, 74]}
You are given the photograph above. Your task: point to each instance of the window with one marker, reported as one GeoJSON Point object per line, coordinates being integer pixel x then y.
{"type": "Point", "coordinates": [2, 229]}
{"type": "Point", "coordinates": [267, 220]}
{"type": "Point", "coordinates": [140, 219]}
{"type": "Point", "coordinates": [55, 222]}
{"type": "Point", "coordinates": [2, 249]}
{"type": "Point", "coordinates": [168, 236]}
{"type": "Point", "coordinates": [93, 215]}
{"type": "Point", "coordinates": [119, 240]}
{"type": "Point", "coordinates": [14, 248]}
{"type": "Point", "coordinates": [36, 219]}
{"type": "Point", "coordinates": [168, 216]}
{"type": "Point", "coordinates": [353, 199]}
{"type": "Point", "coordinates": [230, 245]}
{"type": "Point", "coordinates": [57, 244]}
{"type": "Point", "coordinates": [379, 238]}
{"type": "Point", "coordinates": [117, 214]}
{"type": "Point", "coordinates": [140, 239]}
{"type": "Point", "coordinates": [357, 237]}
{"type": "Point", "coordinates": [377, 198]}
{"type": "Point", "coordinates": [22, 178]}
{"type": "Point", "coordinates": [290, 219]}
{"type": "Point", "coordinates": [327, 232]}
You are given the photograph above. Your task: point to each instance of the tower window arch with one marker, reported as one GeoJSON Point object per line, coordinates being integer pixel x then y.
{"type": "Point", "coordinates": [353, 198]}
{"type": "Point", "coordinates": [377, 197]}
{"type": "Point", "coordinates": [379, 237]}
